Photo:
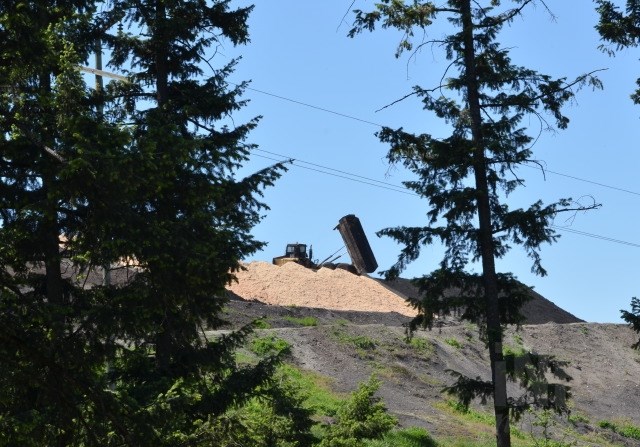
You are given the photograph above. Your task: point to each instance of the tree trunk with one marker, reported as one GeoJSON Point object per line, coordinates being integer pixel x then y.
{"type": "Point", "coordinates": [164, 341]}
{"type": "Point", "coordinates": [50, 239]}
{"type": "Point", "coordinates": [50, 226]}
{"type": "Point", "coordinates": [485, 236]}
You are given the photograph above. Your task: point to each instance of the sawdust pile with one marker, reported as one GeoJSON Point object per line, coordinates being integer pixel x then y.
{"type": "Point", "coordinates": [294, 285]}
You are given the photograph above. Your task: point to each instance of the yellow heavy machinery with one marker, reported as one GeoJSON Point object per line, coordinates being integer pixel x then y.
{"type": "Point", "coordinates": [296, 253]}
{"type": "Point", "coordinates": [355, 241]}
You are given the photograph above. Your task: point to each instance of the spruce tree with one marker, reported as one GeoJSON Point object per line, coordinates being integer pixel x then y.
{"type": "Point", "coordinates": [139, 177]}
{"type": "Point", "coordinates": [466, 178]}
{"type": "Point", "coordinates": [52, 175]}
{"type": "Point", "coordinates": [622, 29]}
{"type": "Point", "coordinates": [633, 318]}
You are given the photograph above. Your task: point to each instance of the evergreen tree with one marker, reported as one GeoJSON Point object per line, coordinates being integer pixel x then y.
{"type": "Point", "coordinates": [623, 30]}
{"type": "Point", "coordinates": [53, 176]}
{"type": "Point", "coordinates": [633, 318]}
{"type": "Point", "coordinates": [466, 178]}
{"type": "Point", "coordinates": [140, 173]}
{"type": "Point", "coordinates": [620, 28]}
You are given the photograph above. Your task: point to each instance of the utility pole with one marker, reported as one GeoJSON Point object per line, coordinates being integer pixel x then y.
{"type": "Point", "coordinates": [99, 89]}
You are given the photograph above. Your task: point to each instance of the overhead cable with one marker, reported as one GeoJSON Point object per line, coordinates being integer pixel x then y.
{"type": "Point", "coordinates": [344, 115]}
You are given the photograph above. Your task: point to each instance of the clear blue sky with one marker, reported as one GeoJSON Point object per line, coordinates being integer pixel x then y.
{"type": "Point", "coordinates": [300, 50]}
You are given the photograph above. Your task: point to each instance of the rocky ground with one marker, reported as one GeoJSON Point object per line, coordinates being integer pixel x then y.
{"type": "Point", "coordinates": [348, 343]}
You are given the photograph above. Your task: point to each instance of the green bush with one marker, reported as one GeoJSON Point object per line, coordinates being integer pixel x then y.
{"type": "Point", "coordinates": [262, 323]}
{"type": "Point", "coordinates": [364, 342]}
{"type": "Point", "coordinates": [361, 417]}
{"type": "Point", "coordinates": [270, 345]}
{"type": "Point", "coordinates": [277, 418]}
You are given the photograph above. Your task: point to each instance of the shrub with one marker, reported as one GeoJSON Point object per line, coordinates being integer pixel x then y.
{"type": "Point", "coordinates": [277, 418]}
{"type": "Point", "coordinates": [361, 417]}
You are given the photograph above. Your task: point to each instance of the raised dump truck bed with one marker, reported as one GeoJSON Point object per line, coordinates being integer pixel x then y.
{"type": "Point", "coordinates": [357, 244]}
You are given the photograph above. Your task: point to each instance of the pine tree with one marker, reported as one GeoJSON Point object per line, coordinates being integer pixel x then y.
{"type": "Point", "coordinates": [466, 178]}
{"type": "Point", "coordinates": [620, 29]}
{"type": "Point", "coordinates": [140, 173]}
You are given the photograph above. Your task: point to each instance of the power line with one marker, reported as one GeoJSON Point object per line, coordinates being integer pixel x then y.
{"type": "Point", "coordinates": [332, 169]}
{"type": "Point", "coordinates": [344, 115]}
{"type": "Point", "coordinates": [596, 236]}
{"type": "Point", "coordinates": [406, 191]}
{"type": "Point", "coordinates": [394, 189]}
{"type": "Point", "coordinates": [322, 109]}
{"type": "Point", "coordinates": [615, 188]}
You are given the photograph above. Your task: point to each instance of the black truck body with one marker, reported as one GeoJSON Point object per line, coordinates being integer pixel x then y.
{"type": "Point", "coordinates": [357, 244]}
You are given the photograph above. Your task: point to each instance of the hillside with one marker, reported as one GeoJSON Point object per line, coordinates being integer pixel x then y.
{"type": "Point", "coordinates": [346, 343]}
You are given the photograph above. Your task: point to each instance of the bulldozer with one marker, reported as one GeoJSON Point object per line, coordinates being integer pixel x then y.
{"type": "Point", "coordinates": [350, 228]}
{"type": "Point", "coordinates": [296, 253]}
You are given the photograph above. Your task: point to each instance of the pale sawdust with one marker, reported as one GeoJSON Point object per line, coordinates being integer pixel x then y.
{"type": "Point", "coordinates": [295, 285]}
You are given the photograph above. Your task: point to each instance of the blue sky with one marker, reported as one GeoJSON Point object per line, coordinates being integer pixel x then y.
{"type": "Point", "coordinates": [300, 51]}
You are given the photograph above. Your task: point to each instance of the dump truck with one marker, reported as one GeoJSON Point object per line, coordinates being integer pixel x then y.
{"type": "Point", "coordinates": [356, 242]}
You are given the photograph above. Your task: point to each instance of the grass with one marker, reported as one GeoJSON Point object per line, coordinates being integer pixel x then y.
{"type": "Point", "coordinates": [471, 422]}
{"type": "Point", "coordinates": [262, 323]}
{"type": "Point", "coordinates": [471, 428]}
{"type": "Point", "coordinates": [468, 443]}
{"type": "Point", "coordinates": [575, 418]}
{"type": "Point", "coordinates": [362, 343]}
{"type": "Point", "coordinates": [303, 321]}
{"type": "Point", "coordinates": [516, 351]}
{"type": "Point", "coordinates": [269, 344]}
{"type": "Point", "coordinates": [453, 342]}
{"type": "Point", "coordinates": [394, 372]}
{"type": "Point", "coordinates": [471, 414]}
{"type": "Point", "coordinates": [409, 437]}
{"type": "Point", "coordinates": [623, 428]}
{"type": "Point", "coordinates": [423, 346]}
{"type": "Point", "coordinates": [319, 396]}
{"type": "Point", "coordinates": [475, 428]}
{"type": "Point", "coordinates": [517, 338]}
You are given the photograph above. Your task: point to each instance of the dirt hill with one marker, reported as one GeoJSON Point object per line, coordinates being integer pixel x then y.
{"type": "Point", "coordinates": [346, 311]}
